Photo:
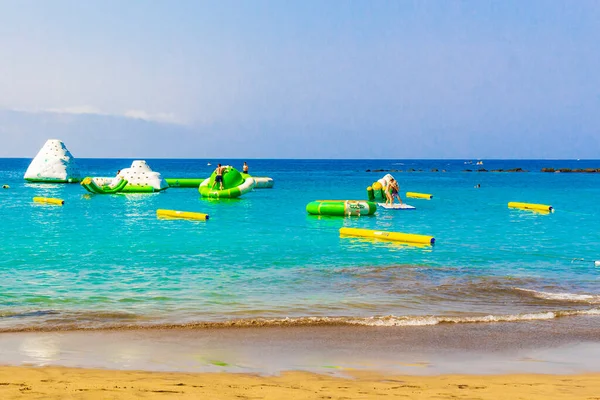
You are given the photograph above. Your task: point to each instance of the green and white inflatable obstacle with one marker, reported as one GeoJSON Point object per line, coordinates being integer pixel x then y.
{"type": "Point", "coordinates": [139, 178]}
{"type": "Point", "coordinates": [92, 185]}
{"type": "Point", "coordinates": [260, 182]}
{"type": "Point", "coordinates": [234, 184]}
{"type": "Point", "coordinates": [184, 182]}
{"type": "Point", "coordinates": [54, 163]}
{"type": "Point", "coordinates": [341, 208]}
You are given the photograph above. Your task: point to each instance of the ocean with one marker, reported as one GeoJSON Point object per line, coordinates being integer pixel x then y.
{"type": "Point", "coordinates": [106, 261]}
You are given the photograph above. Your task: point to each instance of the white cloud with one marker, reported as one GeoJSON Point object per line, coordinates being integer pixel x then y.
{"type": "Point", "coordinates": [76, 110]}
{"type": "Point", "coordinates": [168, 118]}
{"type": "Point", "coordinates": [158, 117]}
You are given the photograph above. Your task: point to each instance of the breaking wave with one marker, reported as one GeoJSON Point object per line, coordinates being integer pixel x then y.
{"type": "Point", "coordinates": [374, 321]}
{"type": "Point", "coordinates": [569, 297]}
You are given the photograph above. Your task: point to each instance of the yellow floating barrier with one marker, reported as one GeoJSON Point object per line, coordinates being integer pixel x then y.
{"type": "Point", "coordinates": [419, 195]}
{"type": "Point", "coordinates": [530, 206]}
{"type": "Point", "coordinates": [395, 236]}
{"type": "Point", "coordinates": [49, 200]}
{"type": "Point", "coordinates": [181, 215]}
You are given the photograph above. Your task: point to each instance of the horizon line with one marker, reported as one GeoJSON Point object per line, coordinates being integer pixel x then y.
{"type": "Point", "coordinates": [317, 159]}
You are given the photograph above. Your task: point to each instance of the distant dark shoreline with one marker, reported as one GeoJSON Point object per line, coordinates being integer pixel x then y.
{"type": "Point", "coordinates": [565, 170]}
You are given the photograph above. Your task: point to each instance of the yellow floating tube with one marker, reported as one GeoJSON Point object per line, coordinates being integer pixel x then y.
{"type": "Point", "coordinates": [181, 215]}
{"type": "Point", "coordinates": [530, 206]}
{"type": "Point", "coordinates": [395, 236]}
{"type": "Point", "coordinates": [419, 195]}
{"type": "Point", "coordinates": [49, 200]}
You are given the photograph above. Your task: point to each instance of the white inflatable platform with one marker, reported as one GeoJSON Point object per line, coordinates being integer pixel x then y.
{"type": "Point", "coordinates": [396, 206]}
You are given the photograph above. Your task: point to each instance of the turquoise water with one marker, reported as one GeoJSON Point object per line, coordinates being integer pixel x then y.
{"type": "Point", "coordinates": [106, 260]}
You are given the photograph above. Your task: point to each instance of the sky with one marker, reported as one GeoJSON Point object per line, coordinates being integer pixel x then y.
{"type": "Point", "coordinates": [301, 79]}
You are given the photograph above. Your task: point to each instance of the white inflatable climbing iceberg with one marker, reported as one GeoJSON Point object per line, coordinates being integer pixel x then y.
{"type": "Point", "coordinates": [53, 163]}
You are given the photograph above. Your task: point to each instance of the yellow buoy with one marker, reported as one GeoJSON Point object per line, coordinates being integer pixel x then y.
{"type": "Point", "coordinates": [419, 195]}
{"type": "Point", "coordinates": [49, 200]}
{"type": "Point", "coordinates": [395, 236]}
{"type": "Point", "coordinates": [5, 187]}
{"type": "Point", "coordinates": [530, 206]}
{"type": "Point", "coordinates": [181, 215]}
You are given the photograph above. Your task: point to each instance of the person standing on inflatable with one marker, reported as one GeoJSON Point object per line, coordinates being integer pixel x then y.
{"type": "Point", "coordinates": [245, 168]}
{"type": "Point", "coordinates": [394, 190]}
{"type": "Point", "coordinates": [218, 177]}
{"type": "Point", "coordinates": [388, 194]}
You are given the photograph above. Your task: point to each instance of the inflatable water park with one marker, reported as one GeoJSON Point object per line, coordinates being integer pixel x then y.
{"type": "Point", "coordinates": [54, 163]}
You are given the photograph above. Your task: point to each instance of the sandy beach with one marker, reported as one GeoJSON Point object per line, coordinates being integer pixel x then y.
{"type": "Point", "coordinates": [470, 361]}
{"type": "Point", "coordinates": [56, 382]}
{"type": "Point", "coordinates": [300, 199]}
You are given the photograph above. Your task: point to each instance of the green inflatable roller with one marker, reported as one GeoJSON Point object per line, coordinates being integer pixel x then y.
{"type": "Point", "coordinates": [260, 182]}
{"type": "Point", "coordinates": [184, 182]}
{"type": "Point", "coordinates": [138, 189]}
{"type": "Point", "coordinates": [341, 208]}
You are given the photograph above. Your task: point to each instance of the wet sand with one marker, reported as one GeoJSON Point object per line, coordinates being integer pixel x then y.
{"type": "Point", "coordinates": [540, 359]}
{"type": "Point", "coordinates": [565, 346]}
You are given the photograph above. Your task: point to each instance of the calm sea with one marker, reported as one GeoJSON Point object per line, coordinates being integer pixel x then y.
{"type": "Point", "coordinates": [107, 261]}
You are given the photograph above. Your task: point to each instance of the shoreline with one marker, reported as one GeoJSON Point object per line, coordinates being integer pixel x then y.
{"type": "Point", "coordinates": [534, 360]}
{"type": "Point", "coordinates": [557, 347]}
{"type": "Point", "coordinates": [300, 321]}
{"type": "Point", "coordinates": [57, 382]}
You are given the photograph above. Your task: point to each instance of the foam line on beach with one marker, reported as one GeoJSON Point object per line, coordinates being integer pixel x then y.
{"type": "Point", "coordinates": [375, 321]}
{"type": "Point", "coordinates": [573, 297]}
{"type": "Point", "coordinates": [434, 320]}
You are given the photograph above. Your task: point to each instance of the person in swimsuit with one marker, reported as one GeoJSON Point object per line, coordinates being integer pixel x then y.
{"type": "Point", "coordinates": [218, 177]}
{"type": "Point", "coordinates": [245, 168]}
{"type": "Point", "coordinates": [388, 194]}
{"type": "Point", "coordinates": [394, 191]}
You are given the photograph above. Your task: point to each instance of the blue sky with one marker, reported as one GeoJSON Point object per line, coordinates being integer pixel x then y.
{"type": "Point", "coordinates": [305, 79]}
